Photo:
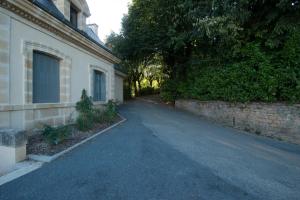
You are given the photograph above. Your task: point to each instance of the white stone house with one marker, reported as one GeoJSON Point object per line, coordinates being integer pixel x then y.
{"type": "Point", "coordinates": [48, 55]}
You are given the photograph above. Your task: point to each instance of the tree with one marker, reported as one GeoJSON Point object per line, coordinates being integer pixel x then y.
{"type": "Point", "coordinates": [231, 36]}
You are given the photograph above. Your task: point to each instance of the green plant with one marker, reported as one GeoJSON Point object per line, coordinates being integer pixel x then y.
{"type": "Point", "coordinates": [56, 135]}
{"type": "Point", "coordinates": [127, 91]}
{"type": "Point", "coordinates": [85, 121]}
{"type": "Point", "coordinates": [85, 105]}
{"type": "Point", "coordinates": [168, 91]}
{"type": "Point", "coordinates": [99, 116]}
{"type": "Point", "coordinates": [110, 111]}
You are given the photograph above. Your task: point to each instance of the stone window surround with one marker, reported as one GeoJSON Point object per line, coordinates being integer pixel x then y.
{"type": "Point", "coordinates": [105, 72]}
{"type": "Point", "coordinates": [81, 6]}
{"type": "Point", "coordinates": [65, 66]}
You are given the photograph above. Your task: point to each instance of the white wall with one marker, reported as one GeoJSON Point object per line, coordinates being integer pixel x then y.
{"type": "Point", "coordinates": [81, 62]}
{"type": "Point", "coordinates": [119, 88]}
{"type": "Point", "coordinates": [22, 31]}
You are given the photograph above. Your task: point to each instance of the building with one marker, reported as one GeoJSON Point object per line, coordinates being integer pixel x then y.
{"type": "Point", "coordinates": [48, 55]}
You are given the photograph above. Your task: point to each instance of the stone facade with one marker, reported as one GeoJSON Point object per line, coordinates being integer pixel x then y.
{"type": "Point", "coordinates": [25, 28]}
{"type": "Point", "coordinates": [53, 115]}
{"type": "Point", "coordinates": [4, 58]}
{"type": "Point", "coordinates": [275, 120]}
{"type": "Point", "coordinates": [64, 66]}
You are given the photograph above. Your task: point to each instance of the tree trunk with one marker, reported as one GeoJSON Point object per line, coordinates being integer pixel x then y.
{"type": "Point", "coordinates": [135, 88]}
{"type": "Point", "coordinates": [139, 83]}
{"type": "Point", "coordinates": [150, 81]}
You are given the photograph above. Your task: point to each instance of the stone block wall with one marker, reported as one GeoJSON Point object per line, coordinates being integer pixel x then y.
{"type": "Point", "coordinates": [18, 41]}
{"type": "Point", "coordinates": [52, 115]}
{"type": "Point", "coordinates": [4, 58]}
{"type": "Point", "coordinates": [65, 66]}
{"type": "Point", "coordinates": [35, 116]}
{"type": "Point", "coordinates": [275, 120]}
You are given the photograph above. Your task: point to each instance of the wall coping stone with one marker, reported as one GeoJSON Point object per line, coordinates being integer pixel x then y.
{"type": "Point", "coordinates": [12, 138]}
{"type": "Point", "coordinates": [240, 103]}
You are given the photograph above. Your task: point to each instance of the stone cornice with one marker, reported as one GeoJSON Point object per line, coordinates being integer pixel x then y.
{"type": "Point", "coordinates": [32, 13]}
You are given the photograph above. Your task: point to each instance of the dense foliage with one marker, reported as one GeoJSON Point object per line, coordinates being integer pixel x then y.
{"type": "Point", "coordinates": [246, 50]}
{"type": "Point", "coordinates": [56, 135]}
{"type": "Point", "coordinates": [88, 115]}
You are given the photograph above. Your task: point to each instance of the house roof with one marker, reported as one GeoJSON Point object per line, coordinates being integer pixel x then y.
{"type": "Point", "coordinates": [49, 7]}
{"type": "Point", "coordinates": [93, 35]}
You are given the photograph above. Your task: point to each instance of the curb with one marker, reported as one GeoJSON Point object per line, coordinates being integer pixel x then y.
{"type": "Point", "coordinates": [39, 160]}
{"type": "Point", "coordinates": [23, 170]}
{"type": "Point", "coordinates": [47, 159]}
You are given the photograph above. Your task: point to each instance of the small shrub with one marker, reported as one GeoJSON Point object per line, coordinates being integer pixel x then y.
{"type": "Point", "coordinates": [85, 105]}
{"type": "Point", "coordinates": [110, 112]}
{"type": "Point", "coordinates": [85, 121]}
{"type": "Point", "coordinates": [99, 116]}
{"type": "Point", "coordinates": [55, 136]}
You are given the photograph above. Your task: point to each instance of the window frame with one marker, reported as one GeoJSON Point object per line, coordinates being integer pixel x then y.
{"type": "Point", "coordinates": [103, 85]}
{"type": "Point", "coordinates": [74, 10]}
{"type": "Point", "coordinates": [58, 60]}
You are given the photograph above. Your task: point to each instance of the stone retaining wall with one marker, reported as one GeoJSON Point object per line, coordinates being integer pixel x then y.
{"type": "Point", "coordinates": [275, 120]}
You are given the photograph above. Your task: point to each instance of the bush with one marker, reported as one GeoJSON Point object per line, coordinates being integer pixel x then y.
{"type": "Point", "coordinates": [85, 121]}
{"type": "Point", "coordinates": [127, 91]}
{"type": "Point", "coordinates": [89, 115]}
{"type": "Point", "coordinates": [110, 112]}
{"type": "Point", "coordinates": [254, 76]}
{"type": "Point", "coordinates": [85, 105]}
{"type": "Point", "coordinates": [98, 116]}
{"type": "Point", "coordinates": [55, 136]}
{"type": "Point", "coordinates": [168, 91]}
{"type": "Point", "coordinates": [107, 115]}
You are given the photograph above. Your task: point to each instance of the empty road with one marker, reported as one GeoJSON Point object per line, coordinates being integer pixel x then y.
{"type": "Point", "coordinates": [161, 153]}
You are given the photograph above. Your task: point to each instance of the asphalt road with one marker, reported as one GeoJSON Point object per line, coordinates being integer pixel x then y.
{"type": "Point", "coordinates": [165, 154]}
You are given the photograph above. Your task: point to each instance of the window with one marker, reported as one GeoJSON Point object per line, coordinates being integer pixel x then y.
{"type": "Point", "coordinates": [45, 78]}
{"type": "Point", "coordinates": [99, 86]}
{"type": "Point", "coordinates": [73, 16]}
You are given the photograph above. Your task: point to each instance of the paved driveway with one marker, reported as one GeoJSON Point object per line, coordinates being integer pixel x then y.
{"type": "Point", "coordinates": [162, 153]}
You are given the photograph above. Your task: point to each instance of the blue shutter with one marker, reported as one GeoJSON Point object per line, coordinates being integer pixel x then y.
{"type": "Point", "coordinates": [99, 86]}
{"type": "Point", "coordinates": [96, 86]}
{"type": "Point", "coordinates": [45, 78]}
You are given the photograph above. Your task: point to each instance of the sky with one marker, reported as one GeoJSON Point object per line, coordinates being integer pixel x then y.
{"type": "Point", "coordinates": [108, 15]}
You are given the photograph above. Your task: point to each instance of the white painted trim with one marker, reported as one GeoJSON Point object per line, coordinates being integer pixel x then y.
{"type": "Point", "coordinates": [42, 158]}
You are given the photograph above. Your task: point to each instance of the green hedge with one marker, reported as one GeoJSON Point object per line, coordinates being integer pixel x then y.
{"type": "Point", "coordinates": [254, 76]}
